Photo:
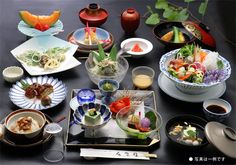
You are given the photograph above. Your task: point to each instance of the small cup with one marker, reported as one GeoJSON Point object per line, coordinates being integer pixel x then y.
{"type": "Point", "coordinates": [12, 74]}
{"type": "Point", "coordinates": [142, 77]}
{"type": "Point", "coordinates": [107, 95]}
{"type": "Point", "coordinates": [54, 152]}
{"type": "Point", "coordinates": [86, 96]}
{"type": "Point", "coordinates": [218, 114]}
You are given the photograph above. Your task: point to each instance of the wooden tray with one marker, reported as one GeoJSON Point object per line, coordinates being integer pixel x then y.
{"type": "Point", "coordinates": [75, 137]}
{"type": "Point", "coordinates": [87, 51]}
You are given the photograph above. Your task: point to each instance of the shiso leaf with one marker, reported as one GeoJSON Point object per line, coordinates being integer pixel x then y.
{"type": "Point", "coordinates": [152, 117]}
{"type": "Point", "coordinates": [113, 53]}
{"type": "Point", "coordinates": [101, 52]}
{"type": "Point", "coordinates": [220, 64]}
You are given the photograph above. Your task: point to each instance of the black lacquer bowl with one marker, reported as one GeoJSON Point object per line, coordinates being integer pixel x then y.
{"type": "Point", "coordinates": [165, 27]}
{"type": "Point", "coordinates": [194, 121]}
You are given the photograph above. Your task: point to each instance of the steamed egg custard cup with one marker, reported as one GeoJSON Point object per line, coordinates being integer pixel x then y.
{"type": "Point", "coordinates": [90, 123]}
{"type": "Point", "coordinates": [144, 120]}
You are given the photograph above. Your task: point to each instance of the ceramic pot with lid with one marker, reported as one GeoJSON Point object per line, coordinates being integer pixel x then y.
{"type": "Point", "coordinates": [130, 20]}
{"type": "Point", "coordinates": [93, 14]}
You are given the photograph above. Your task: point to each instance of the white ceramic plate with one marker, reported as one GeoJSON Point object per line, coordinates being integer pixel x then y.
{"type": "Point", "coordinates": [170, 89]}
{"type": "Point", "coordinates": [17, 94]}
{"type": "Point", "coordinates": [143, 43]}
{"type": "Point", "coordinates": [42, 43]}
{"type": "Point", "coordinates": [32, 32]}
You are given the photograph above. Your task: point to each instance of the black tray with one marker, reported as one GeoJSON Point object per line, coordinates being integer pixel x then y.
{"type": "Point", "coordinates": [75, 137]}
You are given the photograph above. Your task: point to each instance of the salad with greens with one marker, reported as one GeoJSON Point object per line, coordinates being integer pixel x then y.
{"type": "Point", "coordinates": [192, 64]}
{"type": "Point", "coordinates": [104, 64]}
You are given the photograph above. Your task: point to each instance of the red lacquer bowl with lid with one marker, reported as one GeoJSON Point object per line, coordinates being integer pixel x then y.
{"type": "Point", "coordinates": [94, 15]}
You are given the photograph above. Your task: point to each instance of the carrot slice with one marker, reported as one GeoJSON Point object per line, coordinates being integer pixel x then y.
{"type": "Point", "coordinates": [202, 55]}
{"type": "Point", "coordinates": [185, 77]}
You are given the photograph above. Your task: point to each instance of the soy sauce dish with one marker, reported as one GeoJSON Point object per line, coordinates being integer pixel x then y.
{"type": "Point", "coordinates": [216, 109]}
{"type": "Point", "coordinates": [187, 131]}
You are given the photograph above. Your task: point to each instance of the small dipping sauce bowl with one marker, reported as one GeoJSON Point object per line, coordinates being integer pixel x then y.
{"type": "Point", "coordinates": [216, 109]}
{"type": "Point", "coordinates": [86, 96]}
{"type": "Point", "coordinates": [142, 77]}
{"type": "Point", "coordinates": [12, 74]}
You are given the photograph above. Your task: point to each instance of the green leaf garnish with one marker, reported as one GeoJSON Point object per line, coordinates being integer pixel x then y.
{"type": "Point", "coordinates": [24, 84]}
{"type": "Point", "coordinates": [101, 51]}
{"type": "Point", "coordinates": [161, 4]}
{"type": "Point", "coordinates": [191, 133]}
{"type": "Point", "coordinates": [113, 53]}
{"type": "Point", "coordinates": [153, 19]}
{"type": "Point", "coordinates": [97, 56]}
{"type": "Point", "coordinates": [220, 64]}
{"type": "Point", "coordinates": [202, 8]}
{"type": "Point", "coordinates": [152, 117]}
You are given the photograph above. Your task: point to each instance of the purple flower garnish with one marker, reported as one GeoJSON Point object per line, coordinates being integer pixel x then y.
{"type": "Point", "coordinates": [214, 76]}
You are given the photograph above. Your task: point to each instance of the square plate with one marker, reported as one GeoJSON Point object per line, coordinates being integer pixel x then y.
{"type": "Point", "coordinates": [42, 43]}
{"type": "Point", "coordinates": [75, 137]}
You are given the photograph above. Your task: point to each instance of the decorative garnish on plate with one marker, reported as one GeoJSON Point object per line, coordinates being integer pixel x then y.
{"type": "Point", "coordinates": [108, 86]}
{"type": "Point", "coordinates": [136, 48]}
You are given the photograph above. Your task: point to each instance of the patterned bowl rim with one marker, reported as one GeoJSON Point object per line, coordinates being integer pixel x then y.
{"type": "Point", "coordinates": [92, 126]}
{"type": "Point", "coordinates": [170, 54]}
{"type": "Point", "coordinates": [44, 108]}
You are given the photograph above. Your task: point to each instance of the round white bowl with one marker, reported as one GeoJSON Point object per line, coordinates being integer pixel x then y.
{"type": "Point", "coordinates": [12, 74]}
{"type": "Point", "coordinates": [144, 44]}
{"type": "Point", "coordinates": [188, 87]}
